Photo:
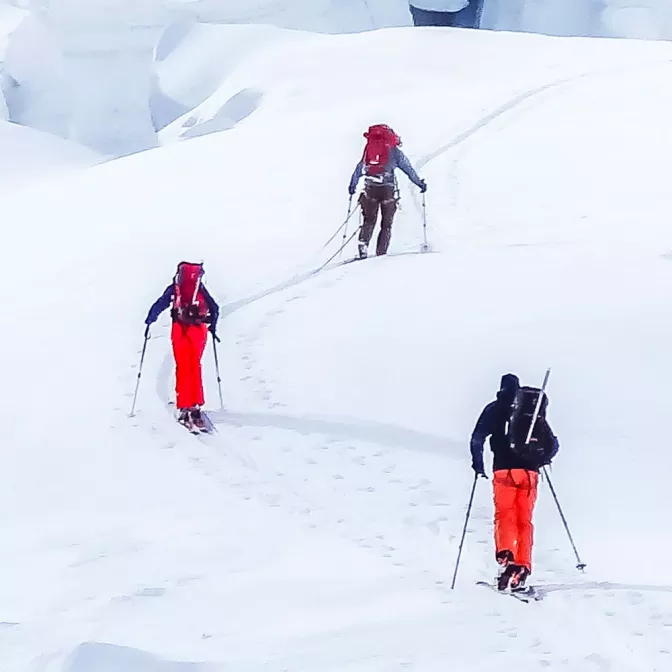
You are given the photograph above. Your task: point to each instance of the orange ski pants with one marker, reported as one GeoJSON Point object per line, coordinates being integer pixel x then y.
{"type": "Point", "coordinates": [515, 496]}
{"type": "Point", "coordinates": [188, 345]}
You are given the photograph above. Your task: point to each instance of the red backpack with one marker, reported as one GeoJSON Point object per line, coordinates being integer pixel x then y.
{"type": "Point", "coordinates": [380, 139]}
{"type": "Point", "coordinates": [189, 306]}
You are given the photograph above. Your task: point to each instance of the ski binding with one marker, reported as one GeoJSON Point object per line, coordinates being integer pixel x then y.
{"type": "Point", "coordinates": [529, 594]}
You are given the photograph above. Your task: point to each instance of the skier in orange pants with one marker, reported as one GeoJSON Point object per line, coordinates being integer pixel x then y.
{"type": "Point", "coordinates": [516, 475]}
{"type": "Point", "coordinates": [515, 495]}
{"type": "Point", "coordinates": [194, 312]}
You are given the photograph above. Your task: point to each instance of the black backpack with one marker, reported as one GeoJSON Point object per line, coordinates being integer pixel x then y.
{"type": "Point", "coordinates": [538, 451]}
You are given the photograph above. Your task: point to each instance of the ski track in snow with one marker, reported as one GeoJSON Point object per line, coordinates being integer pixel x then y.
{"type": "Point", "coordinates": [365, 486]}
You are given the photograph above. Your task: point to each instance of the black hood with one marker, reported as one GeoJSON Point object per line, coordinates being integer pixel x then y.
{"type": "Point", "coordinates": [508, 388]}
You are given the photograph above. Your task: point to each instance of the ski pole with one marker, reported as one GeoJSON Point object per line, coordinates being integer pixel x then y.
{"type": "Point", "coordinates": [425, 246]}
{"type": "Point", "coordinates": [464, 531]}
{"type": "Point", "coordinates": [336, 254]}
{"type": "Point", "coordinates": [215, 338]}
{"type": "Point", "coordinates": [345, 223]}
{"type": "Point", "coordinates": [142, 361]}
{"type": "Point", "coordinates": [579, 565]}
{"type": "Point", "coordinates": [344, 242]}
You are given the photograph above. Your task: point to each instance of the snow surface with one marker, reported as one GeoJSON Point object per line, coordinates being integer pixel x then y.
{"type": "Point", "coordinates": [317, 530]}
{"type": "Point", "coordinates": [27, 155]}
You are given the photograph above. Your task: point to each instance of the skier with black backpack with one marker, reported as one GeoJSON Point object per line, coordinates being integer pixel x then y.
{"type": "Point", "coordinates": [382, 156]}
{"type": "Point", "coordinates": [194, 313]}
{"type": "Point", "coordinates": [522, 443]}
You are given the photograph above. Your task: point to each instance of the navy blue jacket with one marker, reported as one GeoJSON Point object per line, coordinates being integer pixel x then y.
{"type": "Point", "coordinates": [492, 423]}
{"type": "Point", "coordinates": [166, 298]}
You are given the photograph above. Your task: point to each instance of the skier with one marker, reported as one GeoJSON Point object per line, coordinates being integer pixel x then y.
{"type": "Point", "coordinates": [516, 467]}
{"type": "Point", "coordinates": [194, 311]}
{"type": "Point", "coordinates": [381, 158]}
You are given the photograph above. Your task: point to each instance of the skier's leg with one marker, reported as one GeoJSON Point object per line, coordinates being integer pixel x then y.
{"type": "Point", "coordinates": [370, 206]}
{"type": "Point", "coordinates": [505, 513]}
{"type": "Point", "coordinates": [527, 482]}
{"type": "Point", "coordinates": [388, 208]}
{"type": "Point", "coordinates": [181, 352]}
{"type": "Point", "coordinates": [197, 334]}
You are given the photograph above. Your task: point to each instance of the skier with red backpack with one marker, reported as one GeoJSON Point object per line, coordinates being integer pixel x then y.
{"type": "Point", "coordinates": [522, 443]}
{"type": "Point", "coordinates": [382, 156]}
{"type": "Point", "coordinates": [194, 312]}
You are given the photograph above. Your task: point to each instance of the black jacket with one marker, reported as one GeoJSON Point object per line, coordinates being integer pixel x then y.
{"type": "Point", "coordinates": [492, 423]}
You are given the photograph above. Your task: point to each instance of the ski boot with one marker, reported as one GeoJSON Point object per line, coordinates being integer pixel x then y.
{"type": "Point", "coordinates": [184, 418]}
{"type": "Point", "coordinates": [505, 572]}
{"type": "Point", "coordinates": [363, 250]}
{"type": "Point", "coordinates": [519, 579]}
{"type": "Point", "coordinates": [197, 418]}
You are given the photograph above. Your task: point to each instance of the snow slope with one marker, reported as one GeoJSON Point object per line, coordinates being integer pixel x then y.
{"type": "Point", "coordinates": [318, 529]}
{"type": "Point", "coordinates": [28, 155]}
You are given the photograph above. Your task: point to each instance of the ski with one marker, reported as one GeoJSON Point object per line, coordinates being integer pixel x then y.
{"type": "Point", "coordinates": [192, 428]}
{"type": "Point", "coordinates": [530, 594]}
{"type": "Point", "coordinates": [208, 426]}
{"type": "Point", "coordinates": [189, 426]}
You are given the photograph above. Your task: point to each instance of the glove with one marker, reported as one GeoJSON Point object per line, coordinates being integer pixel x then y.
{"type": "Point", "coordinates": [150, 320]}
{"type": "Point", "coordinates": [212, 328]}
{"type": "Point", "coordinates": [423, 186]}
{"type": "Point", "coordinates": [479, 470]}
{"type": "Point", "coordinates": [352, 190]}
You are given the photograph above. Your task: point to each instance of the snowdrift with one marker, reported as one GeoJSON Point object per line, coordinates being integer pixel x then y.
{"type": "Point", "coordinates": [317, 529]}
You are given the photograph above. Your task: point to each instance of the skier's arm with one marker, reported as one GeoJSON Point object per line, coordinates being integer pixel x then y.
{"type": "Point", "coordinates": [359, 169]}
{"type": "Point", "coordinates": [213, 308]}
{"type": "Point", "coordinates": [159, 305]}
{"type": "Point", "coordinates": [554, 444]}
{"type": "Point", "coordinates": [405, 165]}
{"type": "Point", "coordinates": [480, 434]}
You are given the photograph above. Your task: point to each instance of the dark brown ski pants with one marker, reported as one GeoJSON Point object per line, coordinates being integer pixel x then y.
{"type": "Point", "coordinates": [377, 197]}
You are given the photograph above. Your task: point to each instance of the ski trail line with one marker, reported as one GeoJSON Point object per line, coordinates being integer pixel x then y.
{"type": "Point", "coordinates": [357, 430]}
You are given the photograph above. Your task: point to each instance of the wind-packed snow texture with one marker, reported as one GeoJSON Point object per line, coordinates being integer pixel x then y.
{"type": "Point", "coordinates": [317, 530]}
